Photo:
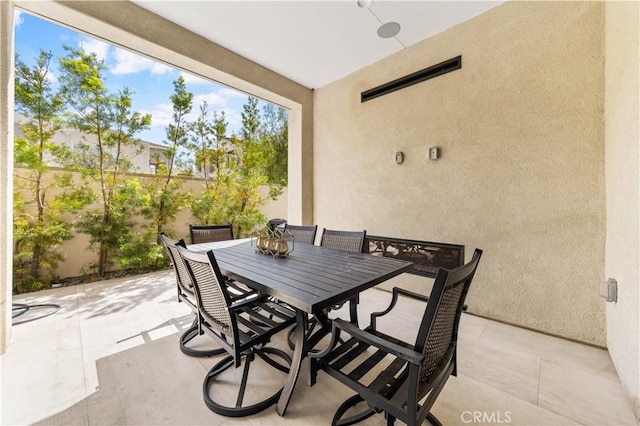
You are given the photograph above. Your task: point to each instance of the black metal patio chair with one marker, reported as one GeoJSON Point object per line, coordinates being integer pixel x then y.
{"type": "Point", "coordinates": [210, 233]}
{"type": "Point", "coordinates": [302, 234]}
{"type": "Point", "coordinates": [186, 294]}
{"type": "Point", "coordinates": [352, 241]}
{"type": "Point", "coordinates": [243, 327]}
{"type": "Point", "coordinates": [392, 376]}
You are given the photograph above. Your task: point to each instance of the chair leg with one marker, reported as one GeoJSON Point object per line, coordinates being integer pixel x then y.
{"type": "Point", "coordinates": [345, 406]}
{"type": "Point", "coordinates": [432, 419]}
{"type": "Point", "coordinates": [239, 410]}
{"type": "Point", "coordinates": [390, 420]}
{"type": "Point", "coordinates": [188, 335]}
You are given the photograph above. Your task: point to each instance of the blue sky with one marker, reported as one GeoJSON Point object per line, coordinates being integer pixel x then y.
{"type": "Point", "coordinates": [152, 82]}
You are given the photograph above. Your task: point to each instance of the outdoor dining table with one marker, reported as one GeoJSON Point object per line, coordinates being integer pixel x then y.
{"type": "Point", "coordinates": [311, 279]}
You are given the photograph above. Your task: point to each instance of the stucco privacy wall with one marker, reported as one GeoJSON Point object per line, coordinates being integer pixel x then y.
{"type": "Point", "coordinates": [6, 169]}
{"type": "Point", "coordinates": [78, 255]}
{"type": "Point", "coordinates": [521, 175]}
{"type": "Point", "coordinates": [622, 165]}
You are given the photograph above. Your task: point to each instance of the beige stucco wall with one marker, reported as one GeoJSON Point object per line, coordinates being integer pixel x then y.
{"type": "Point", "coordinates": [6, 169]}
{"type": "Point", "coordinates": [622, 155]}
{"type": "Point", "coordinates": [521, 175]}
{"type": "Point", "coordinates": [78, 255]}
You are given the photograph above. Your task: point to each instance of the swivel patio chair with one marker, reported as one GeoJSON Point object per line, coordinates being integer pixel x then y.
{"type": "Point", "coordinates": [390, 375]}
{"type": "Point", "coordinates": [302, 234]}
{"type": "Point", "coordinates": [187, 295]}
{"type": "Point", "coordinates": [210, 233]}
{"type": "Point", "coordinates": [243, 327]}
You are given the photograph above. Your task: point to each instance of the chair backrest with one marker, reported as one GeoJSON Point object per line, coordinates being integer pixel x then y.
{"type": "Point", "coordinates": [302, 234]}
{"type": "Point", "coordinates": [438, 334]}
{"type": "Point", "coordinates": [210, 233]}
{"type": "Point", "coordinates": [182, 276]}
{"type": "Point", "coordinates": [352, 241]}
{"type": "Point", "coordinates": [212, 297]}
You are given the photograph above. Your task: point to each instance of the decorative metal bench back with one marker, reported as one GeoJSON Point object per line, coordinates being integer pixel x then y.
{"type": "Point", "coordinates": [427, 256]}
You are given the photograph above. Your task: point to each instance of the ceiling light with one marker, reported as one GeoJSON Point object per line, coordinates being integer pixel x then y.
{"type": "Point", "coordinates": [388, 30]}
{"type": "Point", "coordinates": [366, 4]}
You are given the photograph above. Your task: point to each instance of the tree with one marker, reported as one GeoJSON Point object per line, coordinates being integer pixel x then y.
{"type": "Point", "coordinates": [274, 132]}
{"type": "Point", "coordinates": [38, 226]}
{"type": "Point", "coordinates": [248, 143]}
{"type": "Point", "coordinates": [105, 160]}
{"type": "Point", "coordinates": [231, 191]}
{"type": "Point", "coordinates": [166, 199]}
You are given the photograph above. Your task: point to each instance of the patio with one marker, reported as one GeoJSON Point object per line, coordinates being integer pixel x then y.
{"type": "Point", "coordinates": [110, 356]}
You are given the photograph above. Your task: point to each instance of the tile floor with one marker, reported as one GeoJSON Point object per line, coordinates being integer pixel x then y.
{"type": "Point", "coordinates": [110, 356]}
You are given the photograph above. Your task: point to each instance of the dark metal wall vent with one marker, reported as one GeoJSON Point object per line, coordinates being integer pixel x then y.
{"type": "Point", "coordinates": [411, 79]}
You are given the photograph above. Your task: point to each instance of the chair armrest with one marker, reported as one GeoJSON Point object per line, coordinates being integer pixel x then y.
{"type": "Point", "coordinates": [249, 299]}
{"type": "Point", "coordinates": [397, 291]}
{"type": "Point", "coordinates": [382, 344]}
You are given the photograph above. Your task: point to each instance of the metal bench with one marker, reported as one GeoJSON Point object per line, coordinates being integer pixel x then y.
{"type": "Point", "coordinates": [427, 256]}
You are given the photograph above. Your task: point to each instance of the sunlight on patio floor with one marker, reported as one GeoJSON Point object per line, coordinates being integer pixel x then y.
{"type": "Point", "coordinates": [110, 356]}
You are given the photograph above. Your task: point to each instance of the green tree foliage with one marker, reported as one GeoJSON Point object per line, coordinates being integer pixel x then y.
{"type": "Point", "coordinates": [166, 197]}
{"type": "Point", "coordinates": [274, 132]}
{"type": "Point", "coordinates": [107, 159]}
{"type": "Point", "coordinates": [39, 199]}
{"type": "Point", "coordinates": [105, 197]}
{"type": "Point", "coordinates": [237, 164]}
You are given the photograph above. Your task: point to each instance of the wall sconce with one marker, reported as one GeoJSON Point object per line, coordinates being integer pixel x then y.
{"type": "Point", "coordinates": [399, 157]}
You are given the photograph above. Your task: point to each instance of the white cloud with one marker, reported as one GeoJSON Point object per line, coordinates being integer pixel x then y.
{"type": "Point", "coordinates": [229, 93]}
{"type": "Point", "coordinates": [162, 114]}
{"type": "Point", "coordinates": [130, 63]}
{"type": "Point", "coordinates": [100, 48]}
{"type": "Point", "coordinates": [234, 119]}
{"type": "Point", "coordinates": [51, 77]}
{"type": "Point", "coordinates": [17, 18]}
{"type": "Point", "coordinates": [214, 100]}
{"type": "Point", "coordinates": [160, 68]}
{"type": "Point", "coordinates": [193, 79]}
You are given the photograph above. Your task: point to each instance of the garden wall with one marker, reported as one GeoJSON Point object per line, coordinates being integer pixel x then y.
{"type": "Point", "coordinates": [78, 255]}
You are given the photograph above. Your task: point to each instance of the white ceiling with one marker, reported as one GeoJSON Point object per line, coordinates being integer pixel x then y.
{"type": "Point", "coordinates": [314, 42]}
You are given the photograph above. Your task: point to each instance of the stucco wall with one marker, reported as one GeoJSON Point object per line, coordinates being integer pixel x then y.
{"type": "Point", "coordinates": [622, 154]}
{"type": "Point", "coordinates": [78, 255]}
{"type": "Point", "coordinates": [521, 175]}
{"type": "Point", "coordinates": [6, 169]}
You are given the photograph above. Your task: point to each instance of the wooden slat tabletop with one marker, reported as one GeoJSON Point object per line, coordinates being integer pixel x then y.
{"type": "Point", "coordinates": [310, 278]}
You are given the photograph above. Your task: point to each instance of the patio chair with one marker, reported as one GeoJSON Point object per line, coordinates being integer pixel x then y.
{"type": "Point", "coordinates": [210, 233]}
{"type": "Point", "coordinates": [243, 327]}
{"type": "Point", "coordinates": [187, 295]}
{"type": "Point", "coordinates": [394, 376]}
{"type": "Point", "coordinates": [351, 241]}
{"type": "Point", "coordinates": [302, 234]}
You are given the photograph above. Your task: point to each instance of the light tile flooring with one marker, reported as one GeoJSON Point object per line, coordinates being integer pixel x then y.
{"type": "Point", "coordinates": [110, 356]}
